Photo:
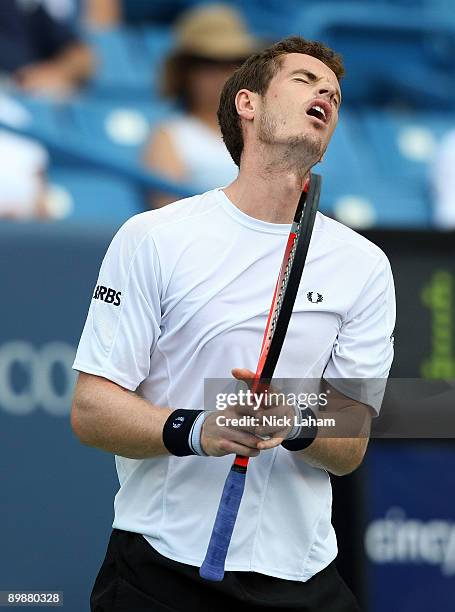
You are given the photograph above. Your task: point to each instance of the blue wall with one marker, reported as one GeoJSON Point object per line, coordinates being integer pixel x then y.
{"type": "Point", "coordinates": [56, 495]}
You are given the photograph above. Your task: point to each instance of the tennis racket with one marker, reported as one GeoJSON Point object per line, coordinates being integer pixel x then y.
{"type": "Point", "coordinates": [277, 324]}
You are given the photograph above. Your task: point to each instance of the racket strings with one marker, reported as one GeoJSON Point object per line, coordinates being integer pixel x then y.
{"type": "Point", "coordinates": [284, 283]}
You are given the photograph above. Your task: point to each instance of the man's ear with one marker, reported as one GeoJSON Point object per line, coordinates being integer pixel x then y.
{"type": "Point", "coordinates": [246, 103]}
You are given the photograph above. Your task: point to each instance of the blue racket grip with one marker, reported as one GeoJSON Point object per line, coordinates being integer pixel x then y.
{"type": "Point", "coordinates": [213, 565]}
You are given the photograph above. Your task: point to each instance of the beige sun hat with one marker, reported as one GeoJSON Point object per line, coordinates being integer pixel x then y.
{"type": "Point", "coordinates": [216, 31]}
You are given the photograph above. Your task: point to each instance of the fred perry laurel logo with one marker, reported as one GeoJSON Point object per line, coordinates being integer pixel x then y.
{"type": "Point", "coordinates": [312, 299]}
{"type": "Point", "coordinates": [178, 422]}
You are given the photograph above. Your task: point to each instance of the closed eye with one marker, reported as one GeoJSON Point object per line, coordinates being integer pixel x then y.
{"type": "Point", "coordinates": [300, 80]}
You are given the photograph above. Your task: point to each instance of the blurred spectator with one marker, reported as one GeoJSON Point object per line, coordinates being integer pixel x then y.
{"type": "Point", "coordinates": [103, 13]}
{"type": "Point", "coordinates": [22, 178]}
{"type": "Point", "coordinates": [444, 184]}
{"type": "Point", "coordinates": [39, 48]}
{"type": "Point", "coordinates": [23, 188]}
{"type": "Point", "coordinates": [211, 42]}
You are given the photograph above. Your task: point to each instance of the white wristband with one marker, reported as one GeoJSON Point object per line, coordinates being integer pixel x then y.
{"type": "Point", "coordinates": [194, 439]}
{"type": "Point", "coordinates": [296, 429]}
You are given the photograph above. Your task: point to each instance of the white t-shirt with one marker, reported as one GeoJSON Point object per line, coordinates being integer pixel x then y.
{"type": "Point", "coordinates": [202, 152]}
{"type": "Point", "coordinates": [190, 287]}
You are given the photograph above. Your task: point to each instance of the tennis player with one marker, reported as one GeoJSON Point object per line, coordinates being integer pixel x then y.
{"type": "Point", "coordinates": [182, 296]}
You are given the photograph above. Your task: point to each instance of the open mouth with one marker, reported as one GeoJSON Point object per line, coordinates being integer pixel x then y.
{"type": "Point", "coordinates": [320, 110]}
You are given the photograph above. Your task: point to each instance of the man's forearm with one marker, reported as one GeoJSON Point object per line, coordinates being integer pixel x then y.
{"type": "Point", "coordinates": [106, 416]}
{"type": "Point", "coordinates": [340, 456]}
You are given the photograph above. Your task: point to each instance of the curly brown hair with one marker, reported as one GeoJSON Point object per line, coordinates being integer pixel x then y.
{"type": "Point", "coordinates": [256, 73]}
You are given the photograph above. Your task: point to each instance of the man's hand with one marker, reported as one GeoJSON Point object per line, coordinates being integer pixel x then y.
{"type": "Point", "coordinates": [271, 435]}
{"type": "Point", "coordinates": [220, 436]}
{"type": "Point", "coordinates": [218, 440]}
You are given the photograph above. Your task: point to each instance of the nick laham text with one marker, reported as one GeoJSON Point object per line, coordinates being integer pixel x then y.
{"type": "Point", "coordinates": [273, 421]}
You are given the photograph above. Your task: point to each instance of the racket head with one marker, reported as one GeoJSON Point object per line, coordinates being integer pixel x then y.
{"type": "Point", "coordinates": [289, 280]}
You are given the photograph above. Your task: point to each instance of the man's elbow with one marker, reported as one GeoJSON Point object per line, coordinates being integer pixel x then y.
{"type": "Point", "coordinates": [351, 460]}
{"type": "Point", "coordinates": [79, 424]}
{"type": "Point", "coordinates": [345, 468]}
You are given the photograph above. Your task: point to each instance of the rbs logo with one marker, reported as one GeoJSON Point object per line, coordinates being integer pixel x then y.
{"type": "Point", "coordinates": [108, 295]}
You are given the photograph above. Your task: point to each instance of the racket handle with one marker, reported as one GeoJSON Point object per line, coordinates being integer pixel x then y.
{"type": "Point", "coordinates": [213, 565]}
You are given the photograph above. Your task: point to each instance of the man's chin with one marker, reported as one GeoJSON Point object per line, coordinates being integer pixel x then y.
{"type": "Point", "coordinates": [308, 147]}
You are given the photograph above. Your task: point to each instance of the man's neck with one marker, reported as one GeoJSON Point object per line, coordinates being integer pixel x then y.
{"type": "Point", "coordinates": [267, 191]}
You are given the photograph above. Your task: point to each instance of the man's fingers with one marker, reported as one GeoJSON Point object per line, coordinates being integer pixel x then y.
{"type": "Point", "coordinates": [244, 438]}
{"type": "Point", "coordinates": [268, 444]}
{"type": "Point", "coordinates": [238, 449]}
{"type": "Point", "coordinates": [264, 393]}
{"type": "Point", "coordinates": [243, 374]}
{"type": "Point", "coordinates": [233, 434]}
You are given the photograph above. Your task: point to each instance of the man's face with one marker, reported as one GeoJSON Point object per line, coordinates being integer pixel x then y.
{"type": "Point", "coordinates": [300, 106]}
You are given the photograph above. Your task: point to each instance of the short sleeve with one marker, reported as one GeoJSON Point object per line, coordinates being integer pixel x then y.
{"type": "Point", "coordinates": [123, 322]}
{"type": "Point", "coordinates": [363, 351]}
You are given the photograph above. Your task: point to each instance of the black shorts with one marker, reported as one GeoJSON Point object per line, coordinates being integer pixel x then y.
{"type": "Point", "coordinates": [134, 577]}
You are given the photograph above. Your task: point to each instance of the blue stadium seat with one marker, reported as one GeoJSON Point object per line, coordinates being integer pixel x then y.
{"type": "Point", "coordinates": [391, 53]}
{"type": "Point", "coordinates": [93, 196]}
{"type": "Point", "coordinates": [379, 164]}
{"type": "Point", "coordinates": [401, 147]}
{"type": "Point", "coordinates": [404, 143]}
{"type": "Point", "coordinates": [342, 166]}
{"type": "Point", "coordinates": [118, 131]}
{"type": "Point", "coordinates": [274, 19]}
{"type": "Point", "coordinates": [397, 202]}
{"type": "Point", "coordinates": [270, 19]}
{"type": "Point", "coordinates": [113, 130]}
{"type": "Point", "coordinates": [42, 113]}
{"type": "Point", "coordinates": [129, 60]}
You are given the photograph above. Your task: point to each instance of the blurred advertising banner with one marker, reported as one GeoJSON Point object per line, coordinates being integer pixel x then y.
{"type": "Point", "coordinates": [423, 265]}
{"type": "Point", "coordinates": [409, 533]}
{"type": "Point", "coordinates": [409, 540]}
